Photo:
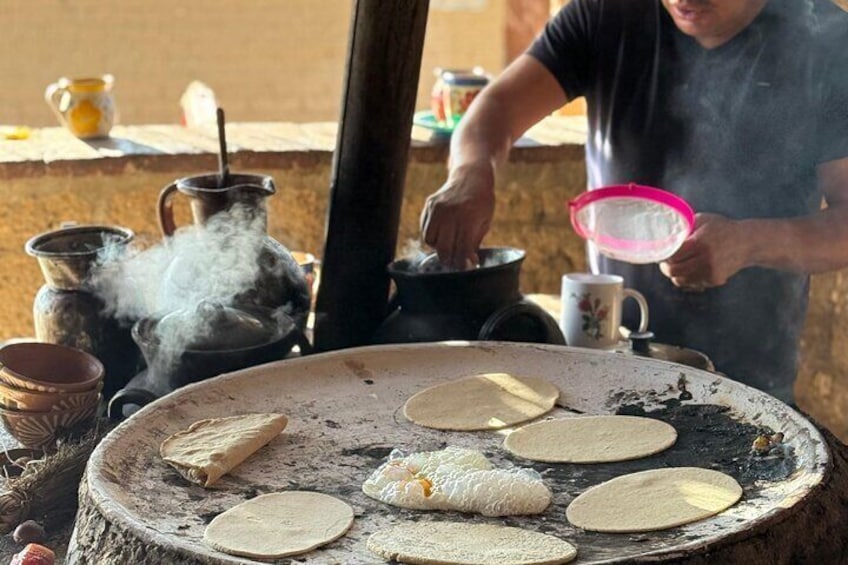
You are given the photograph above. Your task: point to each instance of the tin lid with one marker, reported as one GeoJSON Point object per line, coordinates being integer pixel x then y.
{"type": "Point", "coordinates": [212, 326]}
{"type": "Point", "coordinates": [465, 77]}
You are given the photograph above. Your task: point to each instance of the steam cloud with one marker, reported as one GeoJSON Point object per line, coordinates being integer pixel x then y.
{"type": "Point", "coordinates": [200, 264]}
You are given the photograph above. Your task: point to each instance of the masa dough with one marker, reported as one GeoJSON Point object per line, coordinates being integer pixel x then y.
{"type": "Point", "coordinates": [654, 500]}
{"type": "Point", "coordinates": [487, 401]}
{"type": "Point", "coordinates": [209, 449]}
{"type": "Point", "coordinates": [591, 439]}
{"type": "Point", "coordinates": [459, 543]}
{"type": "Point", "coordinates": [279, 524]}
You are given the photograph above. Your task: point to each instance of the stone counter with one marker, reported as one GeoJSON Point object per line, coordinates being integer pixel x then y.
{"type": "Point", "coordinates": [51, 178]}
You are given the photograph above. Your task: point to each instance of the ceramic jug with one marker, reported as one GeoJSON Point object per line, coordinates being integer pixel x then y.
{"type": "Point", "coordinates": [280, 280]}
{"type": "Point", "coordinates": [84, 105]}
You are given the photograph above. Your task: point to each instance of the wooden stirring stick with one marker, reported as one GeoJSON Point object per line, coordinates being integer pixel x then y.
{"type": "Point", "coordinates": [223, 165]}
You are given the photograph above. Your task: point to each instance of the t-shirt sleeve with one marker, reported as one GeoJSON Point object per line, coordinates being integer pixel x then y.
{"type": "Point", "coordinates": [833, 120]}
{"type": "Point", "coordinates": [565, 46]}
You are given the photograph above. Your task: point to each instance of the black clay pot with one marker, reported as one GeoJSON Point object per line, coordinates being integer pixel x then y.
{"type": "Point", "coordinates": [233, 339]}
{"type": "Point", "coordinates": [482, 303]}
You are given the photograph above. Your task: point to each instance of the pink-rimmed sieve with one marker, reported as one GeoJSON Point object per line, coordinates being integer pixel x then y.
{"type": "Point", "coordinates": [632, 223]}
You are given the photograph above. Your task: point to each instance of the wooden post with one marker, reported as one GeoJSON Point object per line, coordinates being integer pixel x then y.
{"type": "Point", "coordinates": [366, 188]}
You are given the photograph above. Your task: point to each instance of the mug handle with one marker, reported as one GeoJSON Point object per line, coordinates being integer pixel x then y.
{"type": "Point", "coordinates": [52, 95]}
{"type": "Point", "coordinates": [133, 396]}
{"type": "Point", "coordinates": [548, 325]}
{"type": "Point", "coordinates": [643, 307]}
{"type": "Point", "coordinates": [166, 210]}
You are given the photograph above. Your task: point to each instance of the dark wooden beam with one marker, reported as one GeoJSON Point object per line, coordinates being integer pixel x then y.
{"type": "Point", "coordinates": [366, 188]}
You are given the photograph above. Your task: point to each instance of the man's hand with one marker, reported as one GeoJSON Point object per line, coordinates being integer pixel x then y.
{"type": "Point", "coordinates": [457, 216]}
{"type": "Point", "coordinates": [714, 252]}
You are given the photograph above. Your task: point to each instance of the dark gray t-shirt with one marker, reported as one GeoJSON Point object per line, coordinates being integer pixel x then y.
{"type": "Point", "coordinates": [737, 130]}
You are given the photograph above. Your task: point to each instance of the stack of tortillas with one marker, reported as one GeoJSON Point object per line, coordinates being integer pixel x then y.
{"type": "Point", "coordinates": [487, 401]}
{"type": "Point", "coordinates": [459, 543]}
{"type": "Point", "coordinates": [209, 449]}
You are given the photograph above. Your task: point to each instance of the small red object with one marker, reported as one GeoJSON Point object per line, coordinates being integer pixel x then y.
{"type": "Point", "coordinates": [34, 554]}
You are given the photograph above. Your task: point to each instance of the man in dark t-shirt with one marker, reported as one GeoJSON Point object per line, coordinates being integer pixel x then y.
{"type": "Point", "coordinates": [738, 106]}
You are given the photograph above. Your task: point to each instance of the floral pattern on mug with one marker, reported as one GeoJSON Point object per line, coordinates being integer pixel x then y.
{"type": "Point", "coordinates": [593, 314]}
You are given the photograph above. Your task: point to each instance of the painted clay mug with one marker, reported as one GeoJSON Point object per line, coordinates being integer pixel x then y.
{"type": "Point", "coordinates": [591, 309]}
{"type": "Point", "coordinates": [84, 105]}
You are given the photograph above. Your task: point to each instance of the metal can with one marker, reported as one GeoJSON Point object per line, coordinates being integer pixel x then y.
{"type": "Point", "coordinates": [459, 89]}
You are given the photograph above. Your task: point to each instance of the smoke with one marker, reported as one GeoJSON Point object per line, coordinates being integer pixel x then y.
{"type": "Point", "coordinates": [413, 252]}
{"type": "Point", "coordinates": [424, 261]}
{"type": "Point", "coordinates": [185, 279]}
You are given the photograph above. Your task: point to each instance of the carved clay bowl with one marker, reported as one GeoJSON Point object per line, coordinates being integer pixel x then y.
{"type": "Point", "coordinates": [48, 367]}
{"type": "Point", "coordinates": [34, 429]}
{"type": "Point", "coordinates": [30, 400]}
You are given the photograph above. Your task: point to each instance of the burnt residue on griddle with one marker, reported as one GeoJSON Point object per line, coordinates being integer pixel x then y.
{"type": "Point", "coordinates": [174, 480]}
{"type": "Point", "coordinates": [207, 517]}
{"type": "Point", "coordinates": [707, 436]}
{"type": "Point", "coordinates": [250, 493]}
{"type": "Point", "coordinates": [378, 452]}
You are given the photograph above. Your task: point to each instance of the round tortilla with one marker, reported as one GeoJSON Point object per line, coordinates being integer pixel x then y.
{"type": "Point", "coordinates": [591, 439]}
{"type": "Point", "coordinates": [460, 543]}
{"type": "Point", "coordinates": [279, 524]}
{"type": "Point", "coordinates": [488, 401]}
{"type": "Point", "coordinates": [654, 500]}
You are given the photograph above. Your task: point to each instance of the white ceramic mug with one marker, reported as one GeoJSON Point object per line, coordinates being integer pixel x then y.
{"type": "Point", "coordinates": [590, 314]}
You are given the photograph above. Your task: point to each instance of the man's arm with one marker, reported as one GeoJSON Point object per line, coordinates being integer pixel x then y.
{"type": "Point", "coordinates": [720, 247]}
{"type": "Point", "coordinates": [456, 217]}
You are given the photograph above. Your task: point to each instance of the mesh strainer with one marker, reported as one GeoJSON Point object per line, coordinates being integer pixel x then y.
{"type": "Point", "coordinates": [632, 223]}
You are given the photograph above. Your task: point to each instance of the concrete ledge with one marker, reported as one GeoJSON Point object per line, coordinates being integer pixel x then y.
{"type": "Point", "coordinates": [166, 148]}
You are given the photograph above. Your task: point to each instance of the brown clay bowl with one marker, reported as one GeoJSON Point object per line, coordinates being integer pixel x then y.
{"type": "Point", "coordinates": [34, 429]}
{"type": "Point", "coordinates": [47, 367]}
{"type": "Point", "coordinates": [22, 399]}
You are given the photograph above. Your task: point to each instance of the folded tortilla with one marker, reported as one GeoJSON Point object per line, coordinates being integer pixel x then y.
{"type": "Point", "coordinates": [209, 449]}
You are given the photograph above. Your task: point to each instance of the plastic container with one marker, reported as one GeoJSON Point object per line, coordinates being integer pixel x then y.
{"type": "Point", "coordinates": [633, 223]}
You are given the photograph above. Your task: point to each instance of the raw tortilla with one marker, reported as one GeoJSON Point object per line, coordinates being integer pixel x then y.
{"type": "Point", "coordinates": [279, 524]}
{"type": "Point", "coordinates": [460, 543]}
{"type": "Point", "coordinates": [654, 500]}
{"type": "Point", "coordinates": [591, 439]}
{"type": "Point", "coordinates": [209, 449]}
{"type": "Point", "coordinates": [487, 401]}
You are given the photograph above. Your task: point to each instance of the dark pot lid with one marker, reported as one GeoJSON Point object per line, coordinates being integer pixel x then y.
{"type": "Point", "coordinates": [211, 326]}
